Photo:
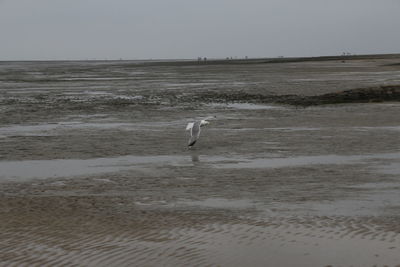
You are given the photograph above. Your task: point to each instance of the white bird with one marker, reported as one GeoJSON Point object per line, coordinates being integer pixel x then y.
{"type": "Point", "coordinates": [194, 128]}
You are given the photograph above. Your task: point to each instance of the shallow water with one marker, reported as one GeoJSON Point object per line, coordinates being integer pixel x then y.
{"type": "Point", "coordinates": [305, 160]}
{"type": "Point", "coordinates": [246, 106]}
{"type": "Point", "coordinates": [43, 169]}
{"type": "Point", "coordinates": [219, 203]}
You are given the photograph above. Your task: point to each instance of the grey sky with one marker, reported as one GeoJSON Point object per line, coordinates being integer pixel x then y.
{"type": "Point", "coordinates": [142, 29]}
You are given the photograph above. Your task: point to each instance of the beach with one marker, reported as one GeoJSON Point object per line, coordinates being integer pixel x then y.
{"type": "Point", "coordinates": [95, 168]}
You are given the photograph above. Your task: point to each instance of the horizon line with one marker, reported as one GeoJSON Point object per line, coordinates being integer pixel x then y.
{"type": "Point", "coordinates": [344, 55]}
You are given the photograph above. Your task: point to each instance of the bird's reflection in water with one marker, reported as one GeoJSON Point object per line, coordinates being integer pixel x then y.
{"type": "Point", "coordinates": [195, 158]}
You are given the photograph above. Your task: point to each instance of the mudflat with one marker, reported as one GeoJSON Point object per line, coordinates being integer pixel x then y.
{"type": "Point", "coordinates": [95, 169]}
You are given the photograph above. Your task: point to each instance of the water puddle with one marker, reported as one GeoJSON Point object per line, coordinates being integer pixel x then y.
{"type": "Point", "coordinates": [97, 93]}
{"type": "Point", "coordinates": [381, 128]}
{"type": "Point", "coordinates": [304, 161]}
{"type": "Point", "coordinates": [50, 129]}
{"type": "Point", "coordinates": [27, 130]}
{"type": "Point", "coordinates": [41, 169]}
{"type": "Point", "coordinates": [245, 106]}
{"type": "Point", "coordinates": [31, 169]}
{"type": "Point", "coordinates": [281, 129]}
{"type": "Point", "coordinates": [219, 203]}
{"type": "Point", "coordinates": [93, 78]}
{"type": "Point", "coordinates": [127, 97]}
{"type": "Point", "coordinates": [294, 129]}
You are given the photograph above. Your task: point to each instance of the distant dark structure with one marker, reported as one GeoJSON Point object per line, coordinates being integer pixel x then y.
{"type": "Point", "coordinates": [200, 59]}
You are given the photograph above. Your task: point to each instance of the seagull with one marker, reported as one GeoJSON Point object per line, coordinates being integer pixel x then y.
{"type": "Point", "coordinates": [194, 128]}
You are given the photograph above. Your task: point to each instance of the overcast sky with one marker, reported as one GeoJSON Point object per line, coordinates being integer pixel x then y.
{"type": "Point", "coordinates": [162, 29]}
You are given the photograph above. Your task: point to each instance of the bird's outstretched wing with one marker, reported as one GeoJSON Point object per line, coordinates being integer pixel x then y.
{"type": "Point", "coordinates": [194, 133]}
{"type": "Point", "coordinates": [189, 126]}
{"type": "Point", "coordinates": [210, 118]}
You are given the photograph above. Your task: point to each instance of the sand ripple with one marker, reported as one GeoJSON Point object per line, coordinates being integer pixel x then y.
{"type": "Point", "coordinates": [180, 241]}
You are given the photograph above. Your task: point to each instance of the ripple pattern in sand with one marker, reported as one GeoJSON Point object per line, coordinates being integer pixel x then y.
{"type": "Point", "coordinates": [320, 241]}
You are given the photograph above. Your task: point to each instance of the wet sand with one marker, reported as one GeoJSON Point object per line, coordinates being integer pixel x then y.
{"type": "Point", "coordinates": [94, 168]}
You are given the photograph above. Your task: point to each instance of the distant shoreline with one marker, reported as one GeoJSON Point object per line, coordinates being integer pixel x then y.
{"type": "Point", "coordinates": [212, 61]}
